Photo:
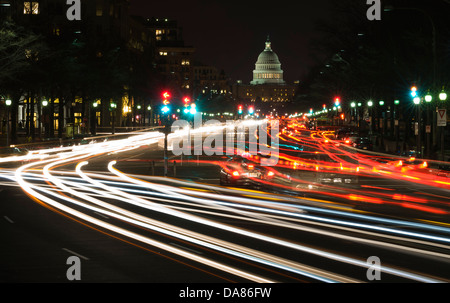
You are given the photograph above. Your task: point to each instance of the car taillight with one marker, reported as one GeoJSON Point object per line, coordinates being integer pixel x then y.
{"type": "Point", "coordinates": [235, 173]}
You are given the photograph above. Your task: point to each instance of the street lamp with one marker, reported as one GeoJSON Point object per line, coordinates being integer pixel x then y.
{"type": "Point", "coordinates": [370, 105]}
{"type": "Point", "coordinates": [417, 101]}
{"type": "Point", "coordinates": [8, 103]}
{"type": "Point", "coordinates": [113, 107]}
{"type": "Point", "coordinates": [149, 108]}
{"type": "Point", "coordinates": [44, 115]}
{"type": "Point", "coordinates": [443, 98]}
{"type": "Point", "coordinates": [396, 124]}
{"type": "Point", "coordinates": [428, 99]}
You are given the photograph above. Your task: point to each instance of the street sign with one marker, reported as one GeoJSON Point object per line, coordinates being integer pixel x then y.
{"type": "Point", "coordinates": [442, 117]}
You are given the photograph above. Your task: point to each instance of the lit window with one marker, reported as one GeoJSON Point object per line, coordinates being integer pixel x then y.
{"type": "Point", "coordinates": [31, 8]}
{"type": "Point", "coordinates": [99, 11]}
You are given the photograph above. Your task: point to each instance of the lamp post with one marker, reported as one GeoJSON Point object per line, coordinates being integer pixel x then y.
{"type": "Point", "coordinates": [353, 111]}
{"type": "Point", "coordinates": [396, 124]}
{"type": "Point", "coordinates": [94, 118]}
{"type": "Point", "coordinates": [417, 101]}
{"type": "Point", "coordinates": [44, 117]}
{"type": "Point", "coordinates": [428, 99]}
{"type": "Point", "coordinates": [381, 118]}
{"type": "Point", "coordinates": [443, 98]}
{"type": "Point", "coordinates": [150, 121]}
{"type": "Point", "coordinates": [113, 107]}
{"type": "Point", "coordinates": [370, 104]}
{"type": "Point", "coordinates": [138, 114]}
{"type": "Point", "coordinates": [8, 103]}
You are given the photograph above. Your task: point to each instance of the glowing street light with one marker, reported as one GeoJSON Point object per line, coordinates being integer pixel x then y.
{"type": "Point", "coordinates": [443, 96]}
{"type": "Point", "coordinates": [8, 103]}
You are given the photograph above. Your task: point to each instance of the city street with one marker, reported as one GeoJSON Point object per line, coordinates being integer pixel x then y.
{"type": "Point", "coordinates": [105, 203]}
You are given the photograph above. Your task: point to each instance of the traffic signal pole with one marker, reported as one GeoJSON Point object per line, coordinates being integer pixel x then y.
{"type": "Point", "coordinates": [166, 158]}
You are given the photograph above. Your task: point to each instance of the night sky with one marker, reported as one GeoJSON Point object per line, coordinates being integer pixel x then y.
{"type": "Point", "coordinates": [231, 34]}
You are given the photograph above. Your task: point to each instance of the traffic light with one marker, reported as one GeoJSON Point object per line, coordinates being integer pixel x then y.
{"type": "Point", "coordinates": [165, 109]}
{"type": "Point", "coordinates": [414, 91]}
{"type": "Point", "coordinates": [337, 101]}
{"type": "Point", "coordinates": [240, 108]}
{"type": "Point", "coordinates": [251, 110]}
{"type": "Point", "coordinates": [186, 101]}
{"type": "Point", "coordinates": [166, 97]}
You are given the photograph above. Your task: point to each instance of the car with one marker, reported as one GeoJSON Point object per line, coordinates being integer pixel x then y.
{"type": "Point", "coordinates": [363, 143]}
{"type": "Point", "coordinates": [244, 171]}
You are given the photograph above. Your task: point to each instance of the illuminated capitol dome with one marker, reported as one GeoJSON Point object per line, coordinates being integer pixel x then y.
{"type": "Point", "coordinates": [267, 92]}
{"type": "Point", "coordinates": [268, 67]}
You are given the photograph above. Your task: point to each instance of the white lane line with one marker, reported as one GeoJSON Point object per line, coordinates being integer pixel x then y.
{"type": "Point", "coordinates": [186, 248]}
{"type": "Point", "coordinates": [74, 253]}
{"type": "Point", "coordinates": [101, 215]}
{"type": "Point", "coordinates": [8, 219]}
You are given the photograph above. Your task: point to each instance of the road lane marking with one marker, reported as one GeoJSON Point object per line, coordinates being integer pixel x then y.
{"type": "Point", "coordinates": [101, 215]}
{"type": "Point", "coordinates": [186, 248]}
{"type": "Point", "coordinates": [8, 219]}
{"type": "Point", "coordinates": [74, 253]}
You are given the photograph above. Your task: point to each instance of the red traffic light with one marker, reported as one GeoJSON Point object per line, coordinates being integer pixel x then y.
{"type": "Point", "coordinates": [166, 97]}
{"type": "Point", "coordinates": [186, 100]}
